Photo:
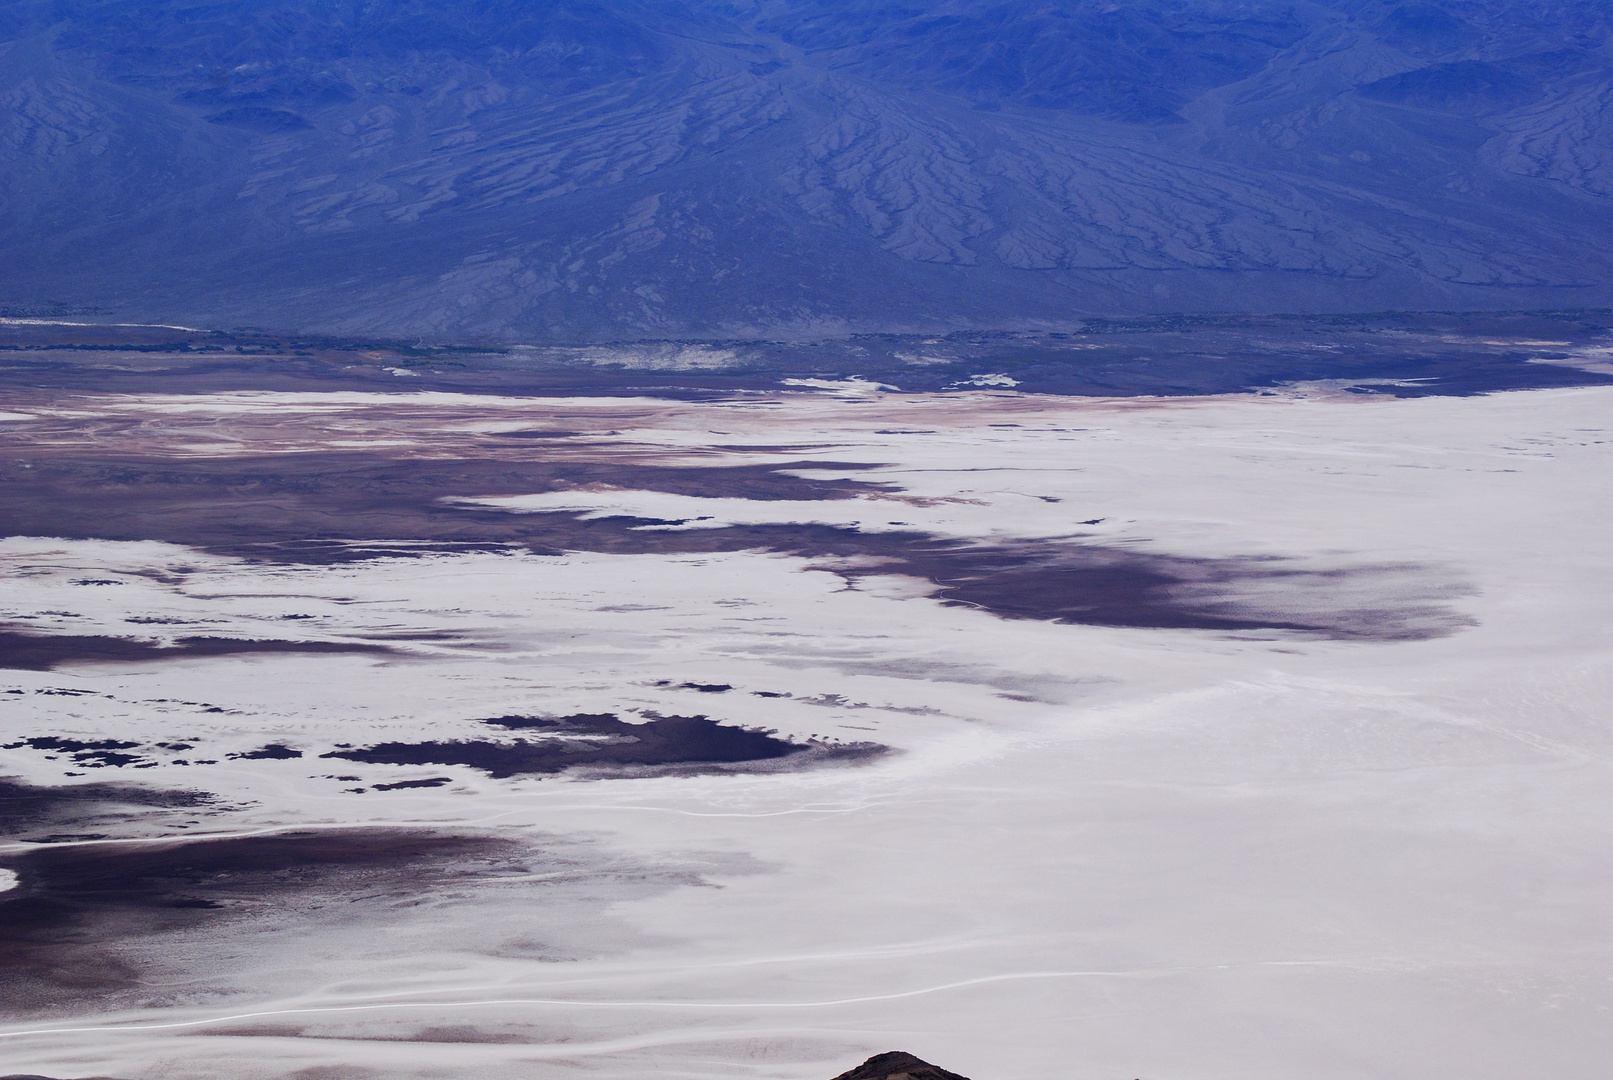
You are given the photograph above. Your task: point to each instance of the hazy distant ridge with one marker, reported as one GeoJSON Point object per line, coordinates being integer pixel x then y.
{"type": "Point", "coordinates": [567, 170]}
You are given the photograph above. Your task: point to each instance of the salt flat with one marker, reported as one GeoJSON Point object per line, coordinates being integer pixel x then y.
{"type": "Point", "coordinates": [1335, 804]}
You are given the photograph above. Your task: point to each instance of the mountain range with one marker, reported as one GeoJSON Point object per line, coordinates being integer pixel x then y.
{"type": "Point", "coordinates": [566, 171]}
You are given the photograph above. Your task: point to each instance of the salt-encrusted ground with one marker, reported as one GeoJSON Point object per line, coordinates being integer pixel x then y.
{"type": "Point", "coordinates": [1166, 849]}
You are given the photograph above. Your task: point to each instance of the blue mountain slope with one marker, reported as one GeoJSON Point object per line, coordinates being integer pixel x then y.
{"type": "Point", "coordinates": [557, 170]}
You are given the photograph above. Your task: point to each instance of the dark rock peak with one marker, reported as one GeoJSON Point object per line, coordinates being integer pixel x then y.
{"type": "Point", "coordinates": [898, 1065]}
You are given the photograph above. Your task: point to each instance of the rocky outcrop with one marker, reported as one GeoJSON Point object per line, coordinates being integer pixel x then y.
{"type": "Point", "coordinates": [898, 1065]}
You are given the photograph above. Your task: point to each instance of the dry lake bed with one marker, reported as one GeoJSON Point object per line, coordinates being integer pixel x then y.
{"type": "Point", "coordinates": [389, 730]}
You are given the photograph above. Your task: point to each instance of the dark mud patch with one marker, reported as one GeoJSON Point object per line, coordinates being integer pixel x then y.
{"type": "Point", "coordinates": [44, 652]}
{"type": "Point", "coordinates": [701, 688]}
{"type": "Point", "coordinates": [537, 434]}
{"type": "Point", "coordinates": [426, 782]}
{"type": "Point", "coordinates": [271, 752]}
{"type": "Point", "coordinates": [1077, 583]}
{"type": "Point", "coordinates": [30, 812]}
{"type": "Point", "coordinates": [603, 745]}
{"type": "Point", "coordinates": [328, 508]}
{"type": "Point", "coordinates": [325, 507]}
{"type": "Point", "coordinates": [142, 925]}
{"type": "Point", "coordinates": [85, 753]}
{"type": "Point", "coordinates": [63, 926]}
{"type": "Point", "coordinates": [251, 503]}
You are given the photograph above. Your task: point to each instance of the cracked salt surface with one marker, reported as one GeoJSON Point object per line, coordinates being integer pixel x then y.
{"type": "Point", "coordinates": [1138, 848]}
